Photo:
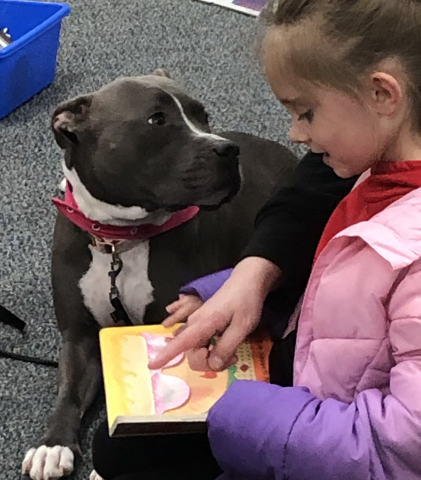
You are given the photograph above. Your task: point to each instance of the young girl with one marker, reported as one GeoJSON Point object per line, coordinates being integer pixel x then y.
{"type": "Point", "coordinates": [349, 71]}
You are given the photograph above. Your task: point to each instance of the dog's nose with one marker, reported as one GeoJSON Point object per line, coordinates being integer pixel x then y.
{"type": "Point", "coordinates": [226, 149]}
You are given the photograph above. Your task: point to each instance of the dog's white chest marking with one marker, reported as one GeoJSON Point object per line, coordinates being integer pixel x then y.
{"type": "Point", "coordinates": [136, 291]}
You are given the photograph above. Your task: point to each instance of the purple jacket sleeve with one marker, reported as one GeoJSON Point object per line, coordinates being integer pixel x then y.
{"type": "Point", "coordinates": [295, 436]}
{"type": "Point", "coordinates": [207, 286]}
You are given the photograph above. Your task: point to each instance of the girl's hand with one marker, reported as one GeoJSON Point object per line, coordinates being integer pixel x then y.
{"type": "Point", "coordinates": [230, 315]}
{"type": "Point", "coordinates": [181, 309]}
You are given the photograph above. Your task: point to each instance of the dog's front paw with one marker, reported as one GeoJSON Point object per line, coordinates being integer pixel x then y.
{"type": "Point", "coordinates": [46, 463]}
{"type": "Point", "coordinates": [95, 476]}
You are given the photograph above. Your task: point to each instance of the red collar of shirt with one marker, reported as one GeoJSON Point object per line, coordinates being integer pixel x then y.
{"type": "Point", "coordinates": [388, 182]}
{"type": "Point", "coordinates": [69, 208]}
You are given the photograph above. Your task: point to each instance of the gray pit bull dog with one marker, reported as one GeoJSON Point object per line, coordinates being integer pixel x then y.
{"type": "Point", "coordinates": [150, 188]}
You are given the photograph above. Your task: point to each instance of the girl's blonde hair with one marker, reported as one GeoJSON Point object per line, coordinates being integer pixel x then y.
{"type": "Point", "coordinates": [336, 42]}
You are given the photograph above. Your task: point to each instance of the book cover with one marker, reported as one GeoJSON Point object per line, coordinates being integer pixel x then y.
{"type": "Point", "coordinates": [250, 7]}
{"type": "Point", "coordinates": [174, 399]}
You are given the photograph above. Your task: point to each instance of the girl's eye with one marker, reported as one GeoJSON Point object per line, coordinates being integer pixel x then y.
{"type": "Point", "coordinates": [157, 119]}
{"type": "Point", "coordinates": [308, 115]}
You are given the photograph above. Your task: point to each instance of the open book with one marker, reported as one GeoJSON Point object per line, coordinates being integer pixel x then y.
{"type": "Point", "coordinates": [251, 7]}
{"type": "Point", "coordinates": [174, 399]}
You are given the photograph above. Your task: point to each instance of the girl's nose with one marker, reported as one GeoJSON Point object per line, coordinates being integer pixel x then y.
{"type": "Point", "coordinates": [298, 134]}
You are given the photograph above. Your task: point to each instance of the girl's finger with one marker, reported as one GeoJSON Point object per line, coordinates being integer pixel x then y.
{"type": "Point", "coordinates": [180, 329]}
{"type": "Point", "coordinates": [172, 307]}
{"type": "Point", "coordinates": [223, 353]}
{"type": "Point", "coordinates": [198, 359]}
{"type": "Point", "coordinates": [179, 316]}
{"type": "Point", "coordinates": [194, 336]}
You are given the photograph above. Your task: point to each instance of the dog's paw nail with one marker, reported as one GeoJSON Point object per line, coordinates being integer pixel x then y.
{"type": "Point", "coordinates": [46, 463]}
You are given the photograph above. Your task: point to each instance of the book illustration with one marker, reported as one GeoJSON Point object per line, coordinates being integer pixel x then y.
{"type": "Point", "coordinates": [198, 390]}
{"type": "Point", "coordinates": [135, 394]}
{"type": "Point", "coordinates": [169, 392]}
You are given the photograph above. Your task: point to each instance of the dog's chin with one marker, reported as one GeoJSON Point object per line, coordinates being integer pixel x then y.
{"type": "Point", "coordinates": [215, 203]}
{"type": "Point", "coordinates": [211, 202]}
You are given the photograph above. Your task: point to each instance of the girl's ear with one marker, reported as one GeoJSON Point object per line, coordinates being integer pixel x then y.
{"type": "Point", "coordinates": [386, 93]}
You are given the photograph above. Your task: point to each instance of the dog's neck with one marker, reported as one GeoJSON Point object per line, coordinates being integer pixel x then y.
{"type": "Point", "coordinates": [113, 223]}
{"type": "Point", "coordinates": [103, 212]}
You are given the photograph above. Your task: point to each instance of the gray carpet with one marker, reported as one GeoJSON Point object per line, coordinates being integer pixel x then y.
{"type": "Point", "coordinates": [209, 49]}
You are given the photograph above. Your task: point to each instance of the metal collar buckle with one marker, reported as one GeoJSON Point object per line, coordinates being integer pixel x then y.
{"type": "Point", "coordinates": [104, 245]}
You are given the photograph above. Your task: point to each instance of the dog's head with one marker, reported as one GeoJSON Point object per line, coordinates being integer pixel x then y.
{"type": "Point", "coordinates": [143, 142]}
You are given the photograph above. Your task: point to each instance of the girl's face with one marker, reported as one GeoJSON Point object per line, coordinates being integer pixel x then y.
{"type": "Point", "coordinates": [332, 123]}
{"type": "Point", "coordinates": [350, 134]}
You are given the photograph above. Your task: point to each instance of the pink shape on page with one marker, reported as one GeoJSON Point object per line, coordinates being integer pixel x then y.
{"type": "Point", "coordinates": [155, 344]}
{"type": "Point", "coordinates": [169, 392]}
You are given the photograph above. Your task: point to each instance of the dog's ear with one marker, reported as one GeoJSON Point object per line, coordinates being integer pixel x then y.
{"type": "Point", "coordinates": [70, 119]}
{"type": "Point", "coordinates": [161, 72]}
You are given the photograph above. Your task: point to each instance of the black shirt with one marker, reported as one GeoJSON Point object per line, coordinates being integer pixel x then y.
{"type": "Point", "coordinates": [288, 228]}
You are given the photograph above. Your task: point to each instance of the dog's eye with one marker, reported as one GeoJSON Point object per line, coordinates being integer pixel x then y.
{"type": "Point", "coordinates": [157, 119]}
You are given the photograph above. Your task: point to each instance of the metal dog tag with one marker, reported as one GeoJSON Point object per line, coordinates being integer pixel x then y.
{"type": "Point", "coordinates": [5, 38]}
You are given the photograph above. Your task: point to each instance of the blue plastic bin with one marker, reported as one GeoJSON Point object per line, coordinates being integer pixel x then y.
{"type": "Point", "coordinates": [28, 64]}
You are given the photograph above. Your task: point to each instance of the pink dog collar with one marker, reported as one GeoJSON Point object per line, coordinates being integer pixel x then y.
{"type": "Point", "coordinates": [69, 208]}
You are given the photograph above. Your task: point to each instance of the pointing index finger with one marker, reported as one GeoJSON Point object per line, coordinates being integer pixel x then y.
{"type": "Point", "coordinates": [193, 336]}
